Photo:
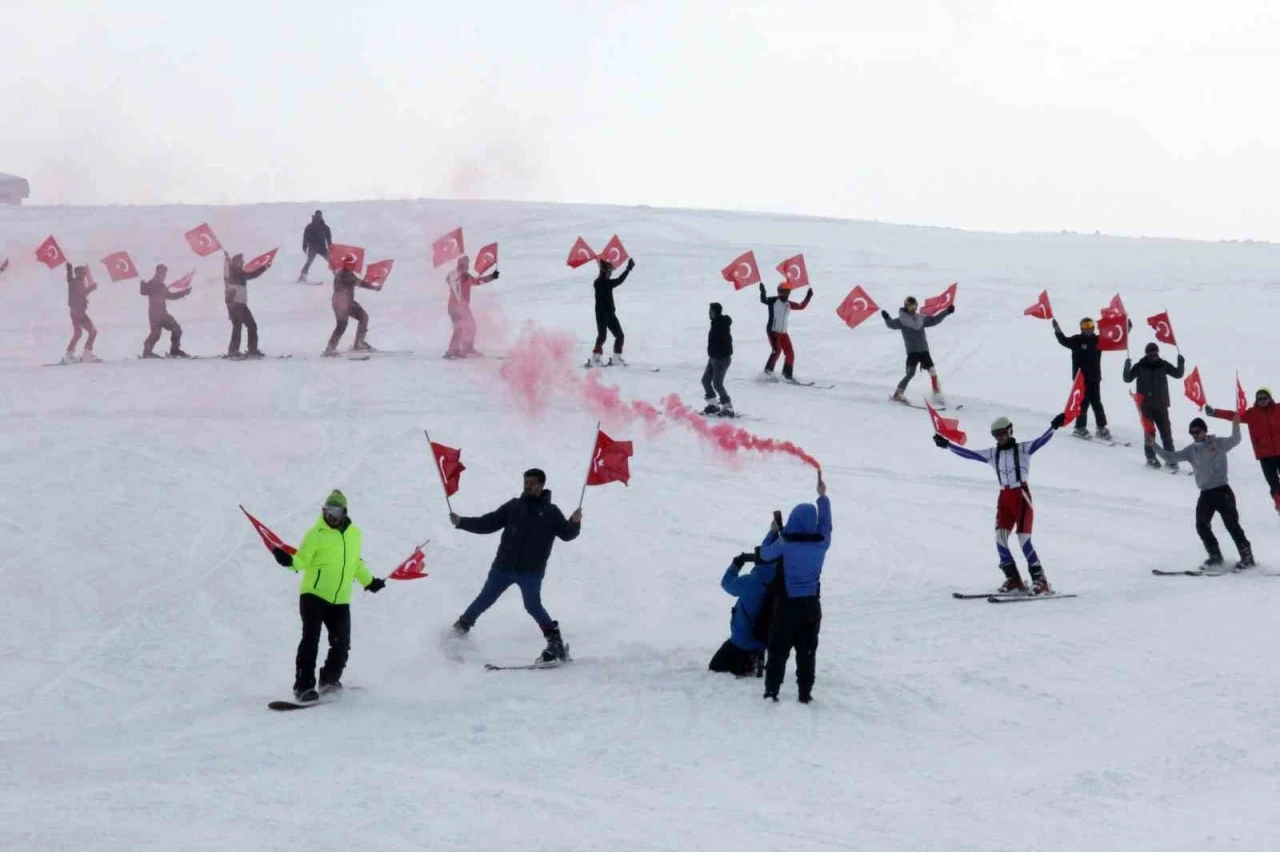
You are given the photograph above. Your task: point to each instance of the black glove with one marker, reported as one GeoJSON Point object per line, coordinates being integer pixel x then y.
{"type": "Point", "coordinates": [68, 266]}
{"type": "Point", "coordinates": [284, 557]}
{"type": "Point", "coordinates": [884, 314]}
{"type": "Point", "coordinates": [942, 442]}
{"type": "Point", "coordinates": [951, 309]}
{"type": "Point", "coordinates": [495, 275]}
{"type": "Point", "coordinates": [376, 585]}
{"type": "Point", "coordinates": [631, 261]}
{"type": "Point", "coordinates": [740, 560]}
{"type": "Point", "coordinates": [1058, 420]}
{"type": "Point", "coordinates": [1208, 409]}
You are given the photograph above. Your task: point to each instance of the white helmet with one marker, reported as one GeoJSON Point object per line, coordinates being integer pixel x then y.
{"type": "Point", "coordinates": [1001, 424]}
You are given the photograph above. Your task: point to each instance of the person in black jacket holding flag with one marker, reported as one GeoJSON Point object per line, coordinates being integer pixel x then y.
{"type": "Point", "coordinates": [607, 314]}
{"type": "Point", "coordinates": [1086, 359]}
{"type": "Point", "coordinates": [719, 356]}
{"type": "Point", "coordinates": [1152, 374]}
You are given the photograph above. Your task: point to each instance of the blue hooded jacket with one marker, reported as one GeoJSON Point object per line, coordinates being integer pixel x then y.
{"type": "Point", "coordinates": [802, 548]}
{"type": "Point", "coordinates": [750, 590]}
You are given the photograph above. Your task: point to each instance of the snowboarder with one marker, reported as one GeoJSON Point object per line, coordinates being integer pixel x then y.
{"type": "Point", "coordinates": [913, 325]}
{"type": "Point", "coordinates": [1086, 359]}
{"type": "Point", "coordinates": [1263, 420]}
{"type": "Point", "coordinates": [329, 561]}
{"type": "Point", "coordinates": [1207, 455]}
{"type": "Point", "coordinates": [158, 297]}
{"type": "Point", "coordinates": [236, 289]}
{"type": "Point", "coordinates": [607, 314]}
{"type": "Point", "coordinates": [530, 524]}
{"type": "Point", "coordinates": [463, 342]}
{"type": "Point", "coordinates": [316, 239]}
{"type": "Point", "coordinates": [1014, 509]}
{"type": "Point", "coordinates": [719, 357]}
{"type": "Point", "coordinates": [799, 548]}
{"type": "Point", "coordinates": [742, 654]}
{"type": "Point", "coordinates": [780, 308]}
{"type": "Point", "coordinates": [1152, 374]}
{"type": "Point", "coordinates": [345, 282]}
{"type": "Point", "coordinates": [79, 286]}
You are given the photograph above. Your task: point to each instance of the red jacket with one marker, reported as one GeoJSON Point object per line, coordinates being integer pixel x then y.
{"type": "Point", "coordinates": [1264, 427]}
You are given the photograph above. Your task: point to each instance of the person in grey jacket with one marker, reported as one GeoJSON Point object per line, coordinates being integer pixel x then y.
{"type": "Point", "coordinates": [913, 325]}
{"type": "Point", "coordinates": [1152, 374]}
{"type": "Point", "coordinates": [1207, 455]}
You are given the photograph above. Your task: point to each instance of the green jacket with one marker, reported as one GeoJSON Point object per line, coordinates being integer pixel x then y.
{"type": "Point", "coordinates": [329, 559]}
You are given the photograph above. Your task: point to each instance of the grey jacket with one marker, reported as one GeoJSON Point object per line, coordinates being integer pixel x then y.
{"type": "Point", "coordinates": [1208, 458]}
{"type": "Point", "coordinates": [912, 327]}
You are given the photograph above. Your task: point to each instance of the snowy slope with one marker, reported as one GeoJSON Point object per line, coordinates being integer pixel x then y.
{"type": "Point", "coordinates": [145, 626]}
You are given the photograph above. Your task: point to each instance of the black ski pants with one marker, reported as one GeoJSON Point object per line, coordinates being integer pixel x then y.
{"type": "Point", "coordinates": [1219, 501]}
{"type": "Point", "coordinates": [241, 318]}
{"type": "Point", "coordinates": [713, 378]}
{"type": "Point", "coordinates": [161, 324]}
{"type": "Point", "coordinates": [731, 659]}
{"type": "Point", "coordinates": [1159, 417]}
{"type": "Point", "coordinates": [796, 622]}
{"type": "Point", "coordinates": [1093, 399]}
{"type": "Point", "coordinates": [335, 618]}
{"type": "Point", "coordinates": [1271, 472]}
{"type": "Point", "coordinates": [607, 321]}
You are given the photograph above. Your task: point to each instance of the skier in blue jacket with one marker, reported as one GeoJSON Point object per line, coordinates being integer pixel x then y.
{"type": "Point", "coordinates": [799, 550]}
{"type": "Point", "coordinates": [742, 654]}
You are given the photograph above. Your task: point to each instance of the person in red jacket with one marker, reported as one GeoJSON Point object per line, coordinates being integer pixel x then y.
{"type": "Point", "coordinates": [1263, 420]}
{"type": "Point", "coordinates": [463, 342]}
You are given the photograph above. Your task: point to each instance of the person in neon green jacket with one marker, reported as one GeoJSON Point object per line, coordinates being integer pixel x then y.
{"type": "Point", "coordinates": [329, 561]}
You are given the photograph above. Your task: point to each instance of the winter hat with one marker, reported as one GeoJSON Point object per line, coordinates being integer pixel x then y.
{"type": "Point", "coordinates": [1266, 391]}
{"type": "Point", "coordinates": [336, 498]}
{"type": "Point", "coordinates": [1152, 349]}
{"type": "Point", "coordinates": [1198, 423]}
{"type": "Point", "coordinates": [717, 308]}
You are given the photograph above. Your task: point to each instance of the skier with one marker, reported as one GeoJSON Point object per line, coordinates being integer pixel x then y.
{"type": "Point", "coordinates": [1086, 359]}
{"type": "Point", "coordinates": [1014, 509]}
{"type": "Point", "coordinates": [316, 239]}
{"type": "Point", "coordinates": [1208, 457]}
{"type": "Point", "coordinates": [607, 314]}
{"type": "Point", "coordinates": [463, 342]}
{"type": "Point", "coordinates": [799, 548]}
{"type": "Point", "coordinates": [345, 282]}
{"type": "Point", "coordinates": [780, 308]}
{"type": "Point", "coordinates": [913, 325]}
{"type": "Point", "coordinates": [719, 357]}
{"type": "Point", "coordinates": [1152, 374]}
{"type": "Point", "coordinates": [742, 654]}
{"type": "Point", "coordinates": [158, 297]}
{"type": "Point", "coordinates": [329, 561]}
{"type": "Point", "coordinates": [1263, 420]}
{"type": "Point", "coordinates": [79, 286]}
{"type": "Point", "coordinates": [530, 524]}
{"type": "Point", "coordinates": [236, 288]}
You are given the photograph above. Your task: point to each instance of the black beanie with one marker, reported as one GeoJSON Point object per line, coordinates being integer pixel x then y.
{"type": "Point", "coordinates": [1198, 423]}
{"type": "Point", "coordinates": [1152, 349]}
{"type": "Point", "coordinates": [717, 308]}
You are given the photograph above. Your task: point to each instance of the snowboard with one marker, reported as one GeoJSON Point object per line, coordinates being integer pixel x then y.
{"type": "Point", "coordinates": [285, 706]}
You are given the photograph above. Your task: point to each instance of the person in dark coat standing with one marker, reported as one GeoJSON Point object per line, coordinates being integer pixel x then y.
{"type": "Point", "coordinates": [719, 357]}
{"type": "Point", "coordinates": [158, 298]}
{"type": "Point", "coordinates": [742, 654]}
{"type": "Point", "coordinates": [1152, 374]}
{"type": "Point", "coordinates": [607, 314]}
{"type": "Point", "coordinates": [316, 239]}
{"type": "Point", "coordinates": [1086, 359]}
{"type": "Point", "coordinates": [530, 524]}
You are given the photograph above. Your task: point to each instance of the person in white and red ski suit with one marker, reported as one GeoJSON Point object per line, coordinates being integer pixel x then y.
{"type": "Point", "coordinates": [780, 308]}
{"type": "Point", "coordinates": [463, 342]}
{"type": "Point", "coordinates": [1014, 510]}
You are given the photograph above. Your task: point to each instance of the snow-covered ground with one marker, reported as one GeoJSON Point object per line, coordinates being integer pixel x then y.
{"type": "Point", "coordinates": [145, 627]}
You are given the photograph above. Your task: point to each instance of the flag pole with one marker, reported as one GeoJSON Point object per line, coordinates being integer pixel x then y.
{"type": "Point", "coordinates": [1177, 348]}
{"type": "Point", "coordinates": [590, 464]}
{"type": "Point", "coordinates": [440, 473]}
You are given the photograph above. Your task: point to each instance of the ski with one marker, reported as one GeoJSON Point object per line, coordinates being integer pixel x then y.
{"type": "Point", "coordinates": [796, 383]}
{"type": "Point", "coordinates": [1200, 572]}
{"type": "Point", "coordinates": [1021, 598]}
{"type": "Point", "coordinates": [491, 667]}
{"type": "Point", "coordinates": [590, 366]}
{"type": "Point", "coordinates": [169, 358]}
{"type": "Point", "coordinates": [1094, 439]}
{"type": "Point", "coordinates": [966, 596]}
{"type": "Point", "coordinates": [256, 358]}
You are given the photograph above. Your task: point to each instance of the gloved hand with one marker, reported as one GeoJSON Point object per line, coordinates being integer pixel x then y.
{"type": "Point", "coordinates": [740, 560]}
{"type": "Point", "coordinates": [376, 585]}
{"type": "Point", "coordinates": [942, 442]}
{"type": "Point", "coordinates": [1056, 327]}
{"type": "Point", "coordinates": [951, 309]}
{"type": "Point", "coordinates": [1208, 409]}
{"type": "Point", "coordinates": [884, 314]}
{"type": "Point", "coordinates": [631, 262]}
{"type": "Point", "coordinates": [496, 273]}
{"type": "Point", "coordinates": [1058, 420]}
{"type": "Point", "coordinates": [284, 557]}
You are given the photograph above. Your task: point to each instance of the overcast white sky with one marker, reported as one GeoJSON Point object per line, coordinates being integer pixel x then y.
{"type": "Point", "coordinates": [1156, 118]}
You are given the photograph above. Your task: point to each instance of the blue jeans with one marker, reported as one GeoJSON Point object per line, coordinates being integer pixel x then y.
{"type": "Point", "coordinates": [499, 580]}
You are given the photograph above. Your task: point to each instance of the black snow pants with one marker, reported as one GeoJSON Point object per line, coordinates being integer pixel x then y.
{"type": "Point", "coordinates": [796, 622]}
{"type": "Point", "coordinates": [336, 618]}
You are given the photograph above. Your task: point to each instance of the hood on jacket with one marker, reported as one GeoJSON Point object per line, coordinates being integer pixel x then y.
{"type": "Point", "coordinates": [803, 519]}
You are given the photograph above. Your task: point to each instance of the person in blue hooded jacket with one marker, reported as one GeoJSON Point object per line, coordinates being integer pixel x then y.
{"type": "Point", "coordinates": [798, 549]}
{"type": "Point", "coordinates": [743, 651]}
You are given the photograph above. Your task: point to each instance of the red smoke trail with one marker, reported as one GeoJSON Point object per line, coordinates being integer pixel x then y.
{"type": "Point", "coordinates": [730, 438]}
{"type": "Point", "coordinates": [538, 363]}
{"type": "Point", "coordinates": [606, 402]}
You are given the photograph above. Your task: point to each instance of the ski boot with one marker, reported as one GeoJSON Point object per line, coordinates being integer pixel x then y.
{"type": "Point", "coordinates": [87, 357]}
{"type": "Point", "coordinates": [1039, 582]}
{"type": "Point", "coordinates": [178, 353]}
{"type": "Point", "coordinates": [302, 279]}
{"type": "Point", "coordinates": [556, 651]}
{"type": "Point", "coordinates": [806, 697]}
{"type": "Point", "coordinates": [711, 409]}
{"type": "Point", "coordinates": [898, 396]}
{"type": "Point", "coordinates": [330, 688]}
{"type": "Point", "coordinates": [726, 410]}
{"type": "Point", "coordinates": [147, 353]}
{"type": "Point", "coordinates": [771, 694]}
{"type": "Point", "coordinates": [1246, 559]}
{"type": "Point", "coordinates": [330, 352]}
{"type": "Point", "coordinates": [596, 360]}
{"type": "Point", "coordinates": [1213, 564]}
{"type": "Point", "coordinates": [1154, 463]}
{"type": "Point", "coordinates": [1081, 433]}
{"type": "Point", "coordinates": [306, 696]}
{"type": "Point", "coordinates": [1173, 467]}
{"type": "Point", "coordinates": [69, 358]}
{"type": "Point", "coordinates": [1013, 580]}
{"type": "Point", "coordinates": [1104, 433]}
{"type": "Point", "coordinates": [461, 627]}
{"type": "Point", "coordinates": [768, 376]}
{"type": "Point", "coordinates": [362, 346]}
{"type": "Point", "coordinates": [616, 360]}
{"type": "Point", "coordinates": [255, 354]}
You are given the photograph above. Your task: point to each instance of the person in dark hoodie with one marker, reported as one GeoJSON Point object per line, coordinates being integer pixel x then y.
{"type": "Point", "coordinates": [742, 654]}
{"type": "Point", "coordinates": [158, 298]}
{"type": "Point", "coordinates": [530, 524]}
{"type": "Point", "coordinates": [1086, 359]}
{"type": "Point", "coordinates": [1152, 374]}
{"type": "Point", "coordinates": [316, 239]}
{"type": "Point", "coordinates": [607, 314]}
{"type": "Point", "coordinates": [719, 356]}
{"type": "Point", "coordinates": [799, 550]}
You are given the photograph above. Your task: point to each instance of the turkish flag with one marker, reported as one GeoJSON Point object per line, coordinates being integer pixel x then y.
{"type": "Point", "coordinates": [486, 258]}
{"type": "Point", "coordinates": [413, 568]}
{"type": "Point", "coordinates": [447, 248]}
{"type": "Point", "coordinates": [261, 261]}
{"type": "Point", "coordinates": [743, 272]}
{"type": "Point", "coordinates": [449, 463]}
{"type": "Point", "coordinates": [50, 253]}
{"type": "Point", "coordinates": [1075, 402]}
{"type": "Point", "coordinates": [378, 273]}
{"type": "Point", "coordinates": [1164, 330]}
{"type": "Point", "coordinates": [269, 539]}
{"type": "Point", "coordinates": [120, 266]}
{"type": "Point", "coordinates": [1113, 333]}
{"type": "Point", "coordinates": [614, 252]}
{"type": "Point", "coordinates": [947, 427]}
{"type": "Point", "coordinates": [1115, 309]}
{"type": "Point", "coordinates": [1148, 428]}
{"type": "Point", "coordinates": [339, 254]}
{"type": "Point", "coordinates": [609, 461]}
{"type": "Point", "coordinates": [183, 283]}
{"type": "Point", "coordinates": [1242, 401]}
{"type": "Point", "coordinates": [1194, 388]}
{"type": "Point", "coordinates": [580, 253]}
{"type": "Point", "coordinates": [794, 270]}
{"type": "Point", "coordinates": [202, 240]}
{"type": "Point", "coordinates": [938, 304]}
{"type": "Point", "coordinates": [1041, 309]}
{"type": "Point", "coordinates": [856, 307]}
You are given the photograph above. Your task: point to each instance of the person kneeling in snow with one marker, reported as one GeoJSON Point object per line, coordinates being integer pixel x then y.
{"type": "Point", "coordinates": [742, 654]}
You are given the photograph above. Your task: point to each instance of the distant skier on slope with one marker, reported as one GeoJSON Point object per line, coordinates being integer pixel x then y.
{"type": "Point", "coordinates": [1086, 359]}
{"type": "Point", "coordinates": [719, 357]}
{"type": "Point", "coordinates": [780, 308]}
{"type": "Point", "coordinates": [316, 239]}
{"type": "Point", "coordinates": [329, 561]}
{"type": "Point", "coordinates": [1263, 420]}
{"type": "Point", "coordinates": [607, 314]}
{"type": "Point", "coordinates": [530, 524]}
{"type": "Point", "coordinates": [1014, 509]}
{"type": "Point", "coordinates": [158, 298]}
{"type": "Point", "coordinates": [913, 325]}
{"type": "Point", "coordinates": [4, 264]}
{"type": "Point", "coordinates": [1152, 374]}
{"type": "Point", "coordinates": [742, 654]}
{"type": "Point", "coordinates": [345, 306]}
{"type": "Point", "coordinates": [236, 290]}
{"type": "Point", "coordinates": [463, 342]}
{"type": "Point", "coordinates": [79, 286]}
{"type": "Point", "coordinates": [1207, 455]}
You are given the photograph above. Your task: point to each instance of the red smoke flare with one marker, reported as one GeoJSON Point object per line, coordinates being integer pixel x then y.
{"type": "Point", "coordinates": [730, 438]}
{"type": "Point", "coordinates": [535, 366]}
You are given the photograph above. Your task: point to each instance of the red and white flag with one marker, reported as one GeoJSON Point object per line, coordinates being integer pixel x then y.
{"type": "Point", "coordinates": [938, 304]}
{"type": "Point", "coordinates": [856, 307]}
{"type": "Point", "coordinates": [413, 568]}
{"type": "Point", "coordinates": [1041, 309]}
{"type": "Point", "coordinates": [378, 273]}
{"type": "Point", "coordinates": [1194, 388]}
{"type": "Point", "coordinates": [120, 266]}
{"type": "Point", "coordinates": [743, 272]}
{"type": "Point", "coordinates": [1115, 309]}
{"type": "Point", "coordinates": [447, 248]}
{"type": "Point", "coordinates": [269, 539]}
{"type": "Point", "coordinates": [486, 258]}
{"type": "Point", "coordinates": [50, 253]}
{"type": "Point", "coordinates": [449, 463]}
{"type": "Point", "coordinates": [1075, 401]}
{"type": "Point", "coordinates": [1148, 428]}
{"type": "Point", "coordinates": [794, 270]}
{"type": "Point", "coordinates": [580, 253]}
{"type": "Point", "coordinates": [183, 283]}
{"type": "Point", "coordinates": [1113, 333]}
{"type": "Point", "coordinates": [947, 427]}
{"type": "Point", "coordinates": [1242, 400]}
{"type": "Point", "coordinates": [609, 461]}
{"type": "Point", "coordinates": [1163, 328]}
{"type": "Point", "coordinates": [261, 261]}
{"type": "Point", "coordinates": [203, 241]}
{"type": "Point", "coordinates": [340, 254]}
{"type": "Point", "coordinates": [614, 252]}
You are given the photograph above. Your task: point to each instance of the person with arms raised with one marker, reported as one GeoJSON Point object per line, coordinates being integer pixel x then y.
{"type": "Point", "coordinates": [463, 342]}
{"type": "Point", "coordinates": [79, 286]}
{"type": "Point", "coordinates": [236, 291]}
{"type": "Point", "coordinates": [1152, 374]}
{"type": "Point", "coordinates": [607, 314]}
{"type": "Point", "coordinates": [1086, 359]}
{"type": "Point", "coordinates": [780, 308]}
{"type": "Point", "coordinates": [912, 324]}
{"type": "Point", "coordinates": [158, 299]}
{"type": "Point", "coordinates": [1263, 420]}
